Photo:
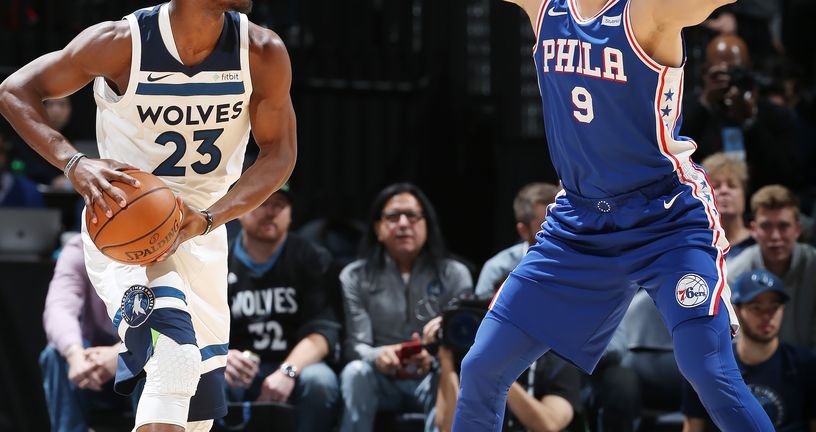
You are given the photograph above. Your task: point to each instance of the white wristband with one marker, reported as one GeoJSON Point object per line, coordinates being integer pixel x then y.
{"type": "Point", "coordinates": [71, 162]}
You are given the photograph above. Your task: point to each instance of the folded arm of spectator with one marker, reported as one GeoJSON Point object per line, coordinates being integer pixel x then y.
{"type": "Point", "coordinates": [66, 297]}
{"type": "Point", "coordinates": [359, 336]}
{"type": "Point", "coordinates": [551, 413]}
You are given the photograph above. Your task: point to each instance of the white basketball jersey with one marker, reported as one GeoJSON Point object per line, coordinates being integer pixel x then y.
{"type": "Point", "coordinates": [187, 125]}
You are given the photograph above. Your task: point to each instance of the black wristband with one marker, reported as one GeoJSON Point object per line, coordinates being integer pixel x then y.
{"type": "Point", "coordinates": [209, 218]}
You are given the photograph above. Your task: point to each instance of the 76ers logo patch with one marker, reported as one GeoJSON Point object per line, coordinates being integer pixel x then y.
{"type": "Point", "coordinates": [137, 304]}
{"type": "Point", "coordinates": [691, 290]}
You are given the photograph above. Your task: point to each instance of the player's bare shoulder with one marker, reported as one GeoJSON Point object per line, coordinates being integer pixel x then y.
{"type": "Point", "coordinates": [268, 58]}
{"type": "Point", "coordinates": [103, 49]}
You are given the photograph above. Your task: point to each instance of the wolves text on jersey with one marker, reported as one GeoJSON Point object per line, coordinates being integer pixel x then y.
{"type": "Point", "coordinates": [576, 56]}
{"type": "Point", "coordinates": [264, 302]}
{"type": "Point", "coordinates": [173, 115]}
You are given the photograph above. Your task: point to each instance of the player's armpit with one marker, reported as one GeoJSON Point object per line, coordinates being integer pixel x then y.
{"type": "Point", "coordinates": [272, 118]}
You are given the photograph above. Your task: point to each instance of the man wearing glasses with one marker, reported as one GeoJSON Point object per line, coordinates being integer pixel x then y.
{"type": "Point", "coordinates": [781, 376]}
{"type": "Point", "coordinates": [392, 297]}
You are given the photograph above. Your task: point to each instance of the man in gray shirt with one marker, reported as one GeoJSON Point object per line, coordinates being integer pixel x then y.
{"type": "Point", "coordinates": [776, 227]}
{"type": "Point", "coordinates": [394, 295]}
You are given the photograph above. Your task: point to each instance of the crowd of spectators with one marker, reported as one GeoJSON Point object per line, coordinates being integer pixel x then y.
{"type": "Point", "coordinates": [352, 344]}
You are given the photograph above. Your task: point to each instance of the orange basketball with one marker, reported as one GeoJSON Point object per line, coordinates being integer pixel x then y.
{"type": "Point", "coordinates": [144, 229]}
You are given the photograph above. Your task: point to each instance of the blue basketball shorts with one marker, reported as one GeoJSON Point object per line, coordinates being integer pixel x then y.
{"type": "Point", "coordinates": [572, 288]}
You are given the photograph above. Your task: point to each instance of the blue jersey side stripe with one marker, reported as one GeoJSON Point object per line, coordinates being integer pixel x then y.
{"type": "Point", "coordinates": [192, 89]}
{"type": "Point", "coordinates": [210, 351]}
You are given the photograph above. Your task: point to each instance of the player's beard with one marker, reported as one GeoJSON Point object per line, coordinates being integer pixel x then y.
{"type": "Point", "coordinates": [242, 6]}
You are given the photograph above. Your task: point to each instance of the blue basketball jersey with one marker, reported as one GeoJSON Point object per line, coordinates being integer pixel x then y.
{"type": "Point", "coordinates": [612, 114]}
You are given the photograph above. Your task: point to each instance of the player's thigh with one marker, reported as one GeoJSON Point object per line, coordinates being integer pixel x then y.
{"type": "Point", "coordinates": [570, 300]}
{"type": "Point", "coordinates": [688, 282]}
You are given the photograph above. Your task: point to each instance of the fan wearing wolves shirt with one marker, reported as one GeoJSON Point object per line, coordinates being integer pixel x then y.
{"type": "Point", "coordinates": [279, 286]}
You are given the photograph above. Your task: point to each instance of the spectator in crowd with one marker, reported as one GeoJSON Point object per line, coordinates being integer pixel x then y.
{"type": "Point", "coordinates": [781, 376]}
{"type": "Point", "coordinates": [728, 116]}
{"type": "Point", "coordinates": [81, 357]}
{"type": "Point", "coordinates": [58, 113]}
{"type": "Point", "coordinates": [15, 190]}
{"type": "Point", "coordinates": [282, 328]}
{"type": "Point", "coordinates": [729, 179]}
{"type": "Point", "coordinates": [751, 21]}
{"type": "Point", "coordinates": [776, 227]}
{"type": "Point", "coordinates": [544, 398]}
{"type": "Point", "coordinates": [391, 296]}
{"type": "Point", "coordinates": [530, 209]}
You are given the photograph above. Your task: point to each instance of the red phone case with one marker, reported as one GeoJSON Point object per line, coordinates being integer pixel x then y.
{"type": "Point", "coordinates": [408, 349]}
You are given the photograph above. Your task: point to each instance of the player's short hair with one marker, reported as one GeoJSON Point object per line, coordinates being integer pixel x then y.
{"type": "Point", "coordinates": [530, 195]}
{"type": "Point", "coordinates": [774, 197]}
{"type": "Point", "coordinates": [722, 163]}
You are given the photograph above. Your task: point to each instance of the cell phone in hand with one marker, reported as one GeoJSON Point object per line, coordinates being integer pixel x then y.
{"type": "Point", "coordinates": [409, 349]}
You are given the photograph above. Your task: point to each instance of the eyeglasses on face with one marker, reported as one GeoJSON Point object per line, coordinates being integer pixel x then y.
{"type": "Point", "coordinates": [394, 217]}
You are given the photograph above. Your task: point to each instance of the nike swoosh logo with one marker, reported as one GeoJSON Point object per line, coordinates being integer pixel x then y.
{"type": "Point", "coordinates": [151, 78]}
{"type": "Point", "coordinates": [667, 205]}
{"type": "Point", "coordinates": [552, 12]}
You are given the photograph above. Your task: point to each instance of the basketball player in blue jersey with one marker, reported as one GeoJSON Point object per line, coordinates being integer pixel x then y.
{"type": "Point", "coordinates": [177, 87]}
{"type": "Point", "coordinates": [635, 211]}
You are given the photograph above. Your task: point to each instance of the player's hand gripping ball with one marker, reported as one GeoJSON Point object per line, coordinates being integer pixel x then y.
{"type": "Point", "coordinates": [144, 229]}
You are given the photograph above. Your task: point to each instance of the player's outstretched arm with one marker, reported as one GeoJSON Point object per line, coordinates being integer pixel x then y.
{"type": "Point", "coordinates": [101, 50]}
{"type": "Point", "coordinates": [273, 126]}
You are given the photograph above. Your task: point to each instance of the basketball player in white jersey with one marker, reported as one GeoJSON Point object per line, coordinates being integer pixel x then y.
{"type": "Point", "coordinates": [177, 87]}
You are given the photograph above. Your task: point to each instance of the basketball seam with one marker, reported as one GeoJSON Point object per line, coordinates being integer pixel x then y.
{"type": "Point", "coordinates": [129, 204]}
{"type": "Point", "coordinates": [175, 206]}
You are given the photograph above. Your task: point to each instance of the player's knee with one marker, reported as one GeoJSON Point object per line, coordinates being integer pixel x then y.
{"type": "Point", "coordinates": [173, 368]}
{"type": "Point", "coordinates": [703, 352]}
{"type": "Point", "coordinates": [476, 367]}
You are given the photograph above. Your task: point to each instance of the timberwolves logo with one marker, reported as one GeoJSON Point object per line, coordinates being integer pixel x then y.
{"type": "Point", "coordinates": [137, 304]}
{"type": "Point", "coordinates": [691, 290]}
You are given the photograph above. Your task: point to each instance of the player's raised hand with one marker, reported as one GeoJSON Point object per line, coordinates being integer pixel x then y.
{"type": "Point", "coordinates": [92, 179]}
{"type": "Point", "coordinates": [193, 224]}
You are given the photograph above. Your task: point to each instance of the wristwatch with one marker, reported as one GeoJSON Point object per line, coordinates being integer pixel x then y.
{"type": "Point", "coordinates": [289, 370]}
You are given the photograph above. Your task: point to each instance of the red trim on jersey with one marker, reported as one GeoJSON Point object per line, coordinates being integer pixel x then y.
{"type": "Point", "coordinates": [721, 285]}
{"type": "Point", "coordinates": [678, 108]}
{"type": "Point", "coordinates": [695, 188]}
{"type": "Point", "coordinates": [633, 43]}
{"type": "Point", "coordinates": [712, 221]}
{"type": "Point", "coordinates": [495, 296]}
{"type": "Point", "coordinates": [577, 17]}
{"type": "Point", "coordinates": [539, 20]}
